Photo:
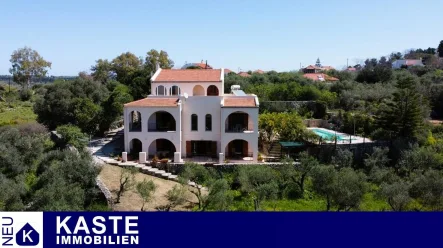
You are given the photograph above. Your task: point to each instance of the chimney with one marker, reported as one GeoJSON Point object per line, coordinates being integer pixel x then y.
{"type": "Point", "coordinates": [206, 67]}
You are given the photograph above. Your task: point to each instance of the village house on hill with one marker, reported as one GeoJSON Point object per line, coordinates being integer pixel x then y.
{"type": "Point", "coordinates": [316, 72]}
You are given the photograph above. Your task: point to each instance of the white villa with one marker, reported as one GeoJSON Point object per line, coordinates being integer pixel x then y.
{"type": "Point", "coordinates": [188, 116]}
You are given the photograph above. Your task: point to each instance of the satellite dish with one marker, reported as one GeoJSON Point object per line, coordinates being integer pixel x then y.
{"type": "Point", "coordinates": [185, 95]}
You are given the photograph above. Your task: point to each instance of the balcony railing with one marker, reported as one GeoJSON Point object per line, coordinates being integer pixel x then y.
{"type": "Point", "coordinates": [238, 129]}
{"type": "Point", "coordinates": [238, 155]}
{"type": "Point", "coordinates": [153, 127]}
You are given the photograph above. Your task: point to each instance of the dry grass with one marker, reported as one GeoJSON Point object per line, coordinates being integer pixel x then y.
{"type": "Point", "coordinates": [131, 201]}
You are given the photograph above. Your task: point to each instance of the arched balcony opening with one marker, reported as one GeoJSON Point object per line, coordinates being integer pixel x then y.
{"type": "Point", "coordinates": [135, 146]}
{"type": "Point", "coordinates": [198, 90]}
{"type": "Point", "coordinates": [135, 121]}
{"type": "Point", "coordinates": [238, 149]}
{"type": "Point", "coordinates": [212, 91]}
{"type": "Point", "coordinates": [161, 121]}
{"type": "Point", "coordinates": [239, 122]}
{"type": "Point", "coordinates": [162, 148]}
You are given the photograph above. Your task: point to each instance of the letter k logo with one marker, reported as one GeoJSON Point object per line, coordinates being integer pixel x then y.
{"type": "Point", "coordinates": [27, 236]}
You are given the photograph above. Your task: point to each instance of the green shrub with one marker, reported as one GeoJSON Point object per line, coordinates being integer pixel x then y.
{"type": "Point", "coordinates": [25, 95]}
{"type": "Point", "coordinates": [72, 135]}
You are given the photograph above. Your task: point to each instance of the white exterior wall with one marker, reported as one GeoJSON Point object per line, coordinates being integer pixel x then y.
{"type": "Point", "coordinates": [186, 87]}
{"type": "Point", "coordinates": [399, 63]}
{"type": "Point", "coordinates": [250, 137]}
{"type": "Point", "coordinates": [148, 137]}
{"type": "Point", "coordinates": [201, 105]}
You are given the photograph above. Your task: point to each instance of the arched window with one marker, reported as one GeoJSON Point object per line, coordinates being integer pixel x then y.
{"type": "Point", "coordinates": [160, 90]}
{"type": "Point", "coordinates": [212, 91]}
{"type": "Point", "coordinates": [198, 91]}
{"type": "Point", "coordinates": [135, 121]}
{"type": "Point", "coordinates": [194, 122]}
{"type": "Point", "coordinates": [174, 91]}
{"type": "Point", "coordinates": [208, 122]}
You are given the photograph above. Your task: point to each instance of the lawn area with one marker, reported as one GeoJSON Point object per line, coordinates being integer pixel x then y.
{"type": "Point", "coordinates": [369, 203]}
{"type": "Point", "coordinates": [16, 113]}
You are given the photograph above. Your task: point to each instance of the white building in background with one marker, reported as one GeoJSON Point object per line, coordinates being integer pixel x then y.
{"type": "Point", "coordinates": [188, 115]}
{"type": "Point", "coordinates": [406, 62]}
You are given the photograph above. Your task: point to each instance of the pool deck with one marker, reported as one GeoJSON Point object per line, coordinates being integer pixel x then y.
{"type": "Point", "coordinates": [354, 139]}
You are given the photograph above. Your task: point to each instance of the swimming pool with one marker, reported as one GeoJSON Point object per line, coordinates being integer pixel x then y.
{"type": "Point", "coordinates": [329, 134]}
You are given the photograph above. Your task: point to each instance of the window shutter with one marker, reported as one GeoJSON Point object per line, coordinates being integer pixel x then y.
{"type": "Point", "coordinates": [188, 148]}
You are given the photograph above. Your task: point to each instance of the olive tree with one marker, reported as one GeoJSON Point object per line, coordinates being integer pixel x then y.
{"type": "Point", "coordinates": [126, 182]}
{"type": "Point", "coordinates": [198, 174]}
{"type": "Point", "coordinates": [428, 189]}
{"type": "Point", "coordinates": [259, 182]}
{"type": "Point", "coordinates": [348, 189]}
{"type": "Point", "coordinates": [324, 179]}
{"type": "Point", "coordinates": [146, 190]}
{"type": "Point", "coordinates": [297, 172]}
{"type": "Point", "coordinates": [396, 194]}
{"type": "Point", "coordinates": [175, 196]}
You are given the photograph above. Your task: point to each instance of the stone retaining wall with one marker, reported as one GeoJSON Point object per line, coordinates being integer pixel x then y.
{"type": "Point", "coordinates": [176, 168]}
{"type": "Point", "coordinates": [105, 192]}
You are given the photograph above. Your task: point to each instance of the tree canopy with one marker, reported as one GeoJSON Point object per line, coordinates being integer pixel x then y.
{"type": "Point", "coordinates": [82, 102]}
{"type": "Point", "coordinates": [402, 116]}
{"type": "Point", "coordinates": [27, 64]}
{"type": "Point", "coordinates": [36, 176]}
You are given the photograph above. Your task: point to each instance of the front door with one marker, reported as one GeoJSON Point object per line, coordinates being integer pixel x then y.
{"type": "Point", "coordinates": [203, 148]}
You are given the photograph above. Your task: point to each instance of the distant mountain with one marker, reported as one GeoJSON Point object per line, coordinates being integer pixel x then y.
{"type": "Point", "coordinates": [44, 80]}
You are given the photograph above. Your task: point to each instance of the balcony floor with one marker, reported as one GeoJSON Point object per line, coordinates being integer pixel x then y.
{"type": "Point", "coordinates": [203, 160]}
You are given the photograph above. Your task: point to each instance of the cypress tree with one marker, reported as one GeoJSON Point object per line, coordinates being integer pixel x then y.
{"type": "Point", "coordinates": [440, 49]}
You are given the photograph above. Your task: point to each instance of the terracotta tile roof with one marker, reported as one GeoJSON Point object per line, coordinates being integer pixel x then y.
{"type": "Point", "coordinates": [174, 75]}
{"type": "Point", "coordinates": [227, 71]}
{"type": "Point", "coordinates": [413, 62]}
{"type": "Point", "coordinates": [327, 67]}
{"type": "Point", "coordinates": [203, 65]}
{"type": "Point", "coordinates": [199, 65]}
{"type": "Point", "coordinates": [318, 76]}
{"type": "Point", "coordinates": [239, 102]}
{"type": "Point", "coordinates": [311, 67]}
{"type": "Point", "coordinates": [351, 69]}
{"type": "Point", "coordinates": [244, 74]}
{"type": "Point", "coordinates": [154, 102]}
{"type": "Point", "coordinates": [259, 71]}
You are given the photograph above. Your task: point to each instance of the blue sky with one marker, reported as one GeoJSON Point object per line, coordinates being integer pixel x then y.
{"type": "Point", "coordinates": [246, 34]}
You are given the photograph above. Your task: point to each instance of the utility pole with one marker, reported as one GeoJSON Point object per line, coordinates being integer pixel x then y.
{"type": "Point", "coordinates": [347, 63]}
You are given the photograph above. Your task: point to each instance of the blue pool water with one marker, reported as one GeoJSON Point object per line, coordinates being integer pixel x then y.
{"type": "Point", "coordinates": [329, 135]}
